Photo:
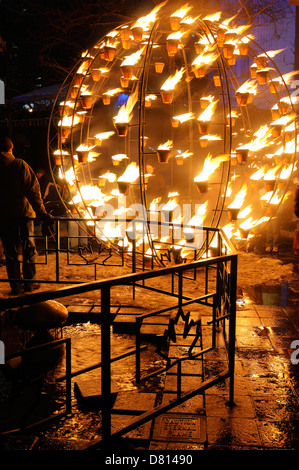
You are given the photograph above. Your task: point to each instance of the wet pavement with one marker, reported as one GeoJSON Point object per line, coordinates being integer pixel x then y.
{"type": "Point", "coordinates": [265, 415]}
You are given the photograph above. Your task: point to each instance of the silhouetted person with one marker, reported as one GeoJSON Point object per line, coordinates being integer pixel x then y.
{"type": "Point", "coordinates": [20, 201]}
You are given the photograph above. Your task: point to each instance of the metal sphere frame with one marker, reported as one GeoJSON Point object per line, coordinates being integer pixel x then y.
{"type": "Point", "coordinates": [80, 129]}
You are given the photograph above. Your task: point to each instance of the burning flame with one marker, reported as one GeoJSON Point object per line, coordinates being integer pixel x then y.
{"type": "Point", "coordinates": [119, 157]}
{"type": "Point", "coordinates": [90, 194]}
{"type": "Point", "coordinates": [184, 117]}
{"type": "Point", "coordinates": [258, 174]}
{"type": "Point", "coordinates": [189, 20]}
{"type": "Point", "coordinates": [284, 120]}
{"type": "Point", "coordinates": [83, 148]}
{"type": "Point", "coordinates": [271, 53]}
{"type": "Point", "coordinates": [210, 165]}
{"type": "Point", "coordinates": [60, 152]}
{"type": "Point", "coordinates": [204, 59]}
{"type": "Point", "coordinates": [246, 39]}
{"type": "Point", "coordinates": [245, 212]}
{"type": "Point", "coordinates": [213, 18]}
{"type": "Point", "coordinates": [113, 92]}
{"type": "Point", "coordinates": [68, 121]}
{"type": "Point", "coordinates": [249, 86]}
{"type": "Point", "coordinates": [198, 218]}
{"type": "Point", "coordinates": [238, 30]}
{"type": "Point", "coordinates": [181, 12]}
{"type": "Point", "coordinates": [68, 175]}
{"type": "Point", "coordinates": [130, 174]}
{"type": "Point", "coordinates": [170, 205]}
{"type": "Point", "coordinates": [210, 137]}
{"type": "Point", "coordinates": [271, 174]}
{"type": "Point", "coordinates": [150, 97]}
{"type": "Point", "coordinates": [207, 114]}
{"type": "Point", "coordinates": [228, 229]}
{"type": "Point", "coordinates": [286, 172]}
{"type": "Point", "coordinates": [167, 146]}
{"type": "Point", "coordinates": [133, 58]}
{"type": "Point", "coordinates": [145, 21]}
{"type": "Point", "coordinates": [205, 40]}
{"type": "Point", "coordinates": [111, 177]}
{"type": "Point", "coordinates": [184, 155]}
{"type": "Point", "coordinates": [125, 112]}
{"type": "Point", "coordinates": [239, 199]}
{"type": "Point", "coordinates": [271, 198]}
{"type": "Point", "coordinates": [172, 81]}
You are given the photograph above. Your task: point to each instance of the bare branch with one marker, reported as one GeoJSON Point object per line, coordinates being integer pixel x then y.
{"type": "Point", "coordinates": [263, 9]}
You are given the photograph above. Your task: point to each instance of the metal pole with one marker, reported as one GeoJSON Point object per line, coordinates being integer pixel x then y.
{"type": "Point", "coordinates": [180, 289]}
{"type": "Point", "coordinates": [106, 363]}
{"type": "Point", "coordinates": [138, 341]}
{"type": "Point", "coordinates": [232, 328]}
{"type": "Point", "coordinates": [57, 247]}
{"type": "Point", "coordinates": [179, 380]}
{"type": "Point", "coordinates": [68, 376]}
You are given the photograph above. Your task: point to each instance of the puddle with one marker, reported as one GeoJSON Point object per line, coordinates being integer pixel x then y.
{"type": "Point", "coordinates": [262, 294]}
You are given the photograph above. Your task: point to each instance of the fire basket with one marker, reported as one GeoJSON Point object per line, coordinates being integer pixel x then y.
{"type": "Point", "coordinates": [164, 88]}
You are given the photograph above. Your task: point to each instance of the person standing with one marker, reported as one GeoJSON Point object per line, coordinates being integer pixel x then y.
{"type": "Point", "coordinates": [20, 204]}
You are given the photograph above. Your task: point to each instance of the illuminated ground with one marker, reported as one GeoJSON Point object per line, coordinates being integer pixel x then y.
{"type": "Point", "coordinates": [266, 382]}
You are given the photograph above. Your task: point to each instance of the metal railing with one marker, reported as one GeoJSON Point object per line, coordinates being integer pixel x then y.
{"type": "Point", "coordinates": [73, 242]}
{"type": "Point", "coordinates": [219, 297]}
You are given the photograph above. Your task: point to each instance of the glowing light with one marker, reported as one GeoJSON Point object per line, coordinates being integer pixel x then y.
{"type": "Point", "coordinates": [239, 199]}
{"type": "Point", "coordinates": [210, 165]}
{"type": "Point", "coordinates": [130, 174]}
{"type": "Point", "coordinates": [173, 80]}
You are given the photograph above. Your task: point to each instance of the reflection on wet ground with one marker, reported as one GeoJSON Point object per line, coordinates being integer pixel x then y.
{"type": "Point", "coordinates": [266, 411]}
{"type": "Point", "coordinates": [83, 424]}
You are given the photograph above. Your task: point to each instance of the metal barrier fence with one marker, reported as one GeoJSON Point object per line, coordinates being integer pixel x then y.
{"type": "Point", "coordinates": [219, 297]}
{"type": "Point", "coordinates": [74, 243]}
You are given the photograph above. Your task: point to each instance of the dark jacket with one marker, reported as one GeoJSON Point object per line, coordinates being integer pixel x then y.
{"type": "Point", "coordinates": [19, 188]}
{"type": "Point", "coordinates": [296, 202]}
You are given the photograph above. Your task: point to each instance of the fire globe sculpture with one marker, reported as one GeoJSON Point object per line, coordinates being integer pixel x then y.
{"type": "Point", "coordinates": [158, 128]}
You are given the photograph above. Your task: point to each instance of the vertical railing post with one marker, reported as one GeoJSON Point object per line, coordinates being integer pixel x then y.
{"type": "Point", "coordinates": [106, 362]}
{"type": "Point", "coordinates": [134, 254]}
{"type": "Point", "coordinates": [180, 289]}
{"type": "Point", "coordinates": [57, 247]}
{"type": "Point", "coordinates": [179, 380]}
{"type": "Point", "coordinates": [232, 327]}
{"type": "Point", "coordinates": [68, 375]}
{"type": "Point", "coordinates": [219, 289]}
{"type": "Point", "coordinates": [138, 342]}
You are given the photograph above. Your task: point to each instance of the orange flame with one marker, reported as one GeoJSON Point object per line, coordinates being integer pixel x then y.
{"type": "Point", "coordinates": [168, 145]}
{"type": "Point", "coordinates": [172, 81]}
{"type": "Point", "coordinates": [210, 165]}
{"type": "Point", "coordinates": [125, 113]}
{"type": "Point", "coordinates": [207, 114]}
{"type": "Point", "coordinates": [239, 199]}
{"type": "Point", "coordinates": [130, 174]}
{"type": "Point", "coordinates": [181, 12]}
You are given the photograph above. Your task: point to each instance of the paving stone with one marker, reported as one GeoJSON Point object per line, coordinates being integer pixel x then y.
{"type": "Point", "coordinates": [183, 446]}
{"type": "Point", "coordinates": [180, 428]}
{"type": "Point", "coordinates": [217, 405]}
{"type": "Point", "coordinates": [187, 383]}
{"type": "Point", "coordinates": [195, 405]}
{"type": "Point", "coordinates": [134, 401]}
{"type": "Point", "coordinates": [120, 421]}
{"type": "Point", "coordinates": [233, 432]}
{"type": "Point", "coordinates": [89, 392]}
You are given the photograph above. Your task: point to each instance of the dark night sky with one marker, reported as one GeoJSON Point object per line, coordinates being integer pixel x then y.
{"type": "Point", "coordinates": [45, 38]}
{"type": "Point", "coordinates": [44, 41]}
